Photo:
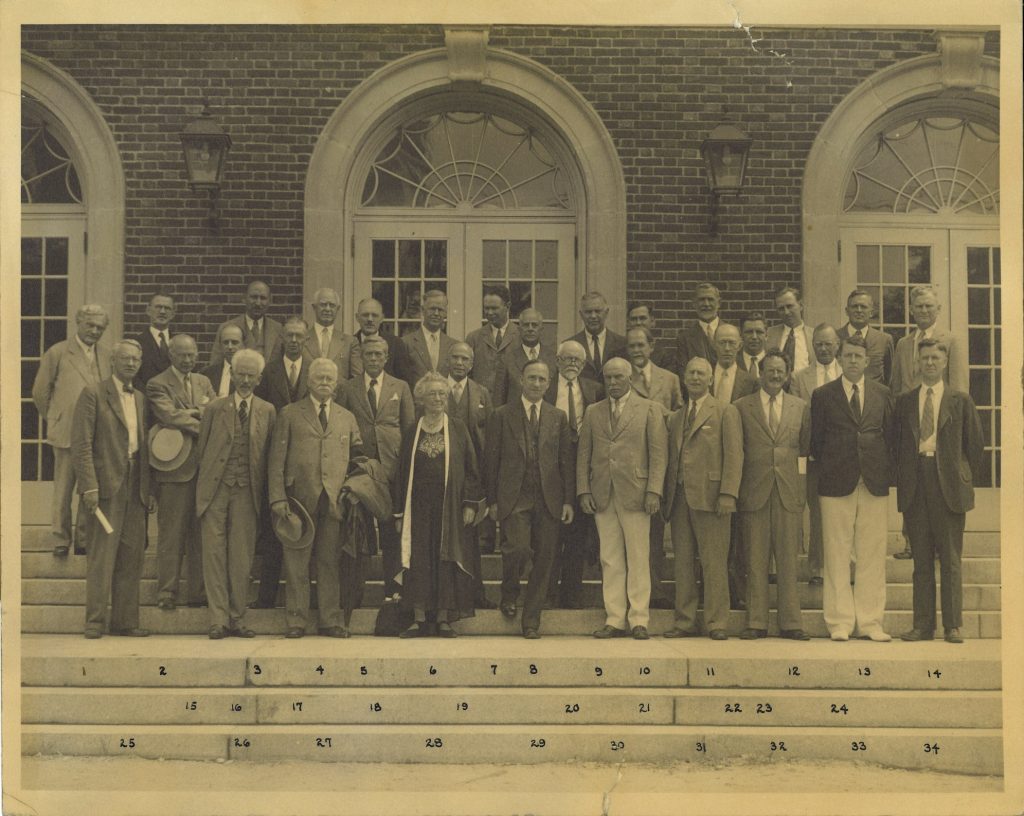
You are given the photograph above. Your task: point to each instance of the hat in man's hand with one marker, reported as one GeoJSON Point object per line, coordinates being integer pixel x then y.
{"type": "Point", "coordinates": [168, 448]}
{"type": "Point", "coordinates": [296, 530]}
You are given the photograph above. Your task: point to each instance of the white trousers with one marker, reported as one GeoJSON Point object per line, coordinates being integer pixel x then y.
{"type": "Point", "coordinates": [854, 527]}
{"type": "Point", "coordinates": [625, 564]}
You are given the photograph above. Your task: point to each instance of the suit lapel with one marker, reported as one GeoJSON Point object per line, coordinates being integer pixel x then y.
{"type": "Point", "coordinates": [311, 416]}
{"type": "Point", "coordinates": [114, 399]}
{"type": "Point", "coordinates": [517, 419]}
{"type": "Point", "coordinates": [761, 421]}
{"type": "Point", "coordinates": [915, 417]}
{"type": "Point", "coordinates": [640, 387]}
{"type": "Point", "coordinates": [945, 411]}
{"type": "Point", "coordinates": [419, 340]}
{"type": "Point", "coordinates": [702, 416]}
{"type": "Point", "coordinates": [78, 361]}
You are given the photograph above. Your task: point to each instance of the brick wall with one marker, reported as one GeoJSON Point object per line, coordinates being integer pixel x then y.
{"type": "Point", "coordinates": [658, 91]}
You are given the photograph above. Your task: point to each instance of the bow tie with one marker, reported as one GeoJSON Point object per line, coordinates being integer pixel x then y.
{"type": "Point", "coordinates": [128, 389]}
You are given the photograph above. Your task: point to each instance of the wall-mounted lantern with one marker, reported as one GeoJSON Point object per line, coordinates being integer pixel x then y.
{"type": "Point", "coordinates": [206, 145]}
{"type": "Point", "coordinates": [725, 153]}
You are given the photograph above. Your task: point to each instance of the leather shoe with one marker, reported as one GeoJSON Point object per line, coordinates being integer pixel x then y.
{"type": "Point", "coordinates": [334, 632]}
{"type": "Point", "coordinates": [166, 604]}
{"type": "Point", "coordinates": [718, 634]}
{"type": "Point", "coordinates": [676, 632]}
{"type": "Point", "coordinates": [794, 634]}
{"type": "Point", "coordinates": [953, 636]}
{"type": "Point", "coordinates": [640, 633]}
{"type": "Point", "coordinates": [531, 634]}
{"type": "Point", "coordinates": [294, 632]}
{"type": "Point", "coordinates": [484, 603]}
{"type": "Point", "coordinates": [61, 550]}
{"type": "Point", "coordinates": [258, 604]}
{"type": "Point", "coordinates": [815, 580]}
{"type": "Point", "coordinates": [445, 630]}
{"type": "Point", "coordinates": [661, 603]}
{"type": "Point", "coordinates": [508, 609]}
{"type": "Point", "coordinates": [608, 631]}
{"type": "Point", "coordinates": [915, 635]}
{"type": "Point", "coordinates": [878, 636]}
{"type": "Point", "coordinates": [197, 604]}
{"type": "Point", "coordinates": [753, 634]}
{"type": "Point", "coordinates": [904, 555]}
{"type": "Point", "coordinates": [135, 632]}
{"type": "Point", "coordinates": [92, 634]}
{"type": "Point", "coordinates": [242, 632]}
{"type": "Point", "coordinates": [218, 632]}
{"type": "Point", "coordinates": [416, 630]}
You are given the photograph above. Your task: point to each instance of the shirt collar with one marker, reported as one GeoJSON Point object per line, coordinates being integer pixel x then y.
{"type": "Point", "coordinates": [765, 398]}
{"type": "Point", "coordinates": [937, 390]}
{"type": "Point", "coordinates": [238, 399]}
{"type": "Point", "coordinates": [848, 386]}
{"type": "Point", "coordinates": [316, 403]}
{"type": "Point", "coordinates": [647, 371]}
{"type": "Point", "coordinates": [157, 333]}
{"type": "Point", "coordinates": [428, 334]}
{"type": "Point", "coordinates": [379, 378]}
{"type": "Point", "coordinates": [89, 350]}
{"type": "Point", "coordinates": [288, 362]}
{"type": "Point", "coordinates": [452, 382]}
{"type": "Point", "coordinates": [250, 322]}
{"type": "Point", "coordinates": [623, 399]}
{"type": "Point", "coordinates": [600, 335]}
{"type": "Point", "coordinates": [120, 385]}
{"type": "Point", "coordinates": [527, 404]}
{"type": "Point", "coordinates": [711, 326]}
{"type": "Point", "coordinates": [699, 402]}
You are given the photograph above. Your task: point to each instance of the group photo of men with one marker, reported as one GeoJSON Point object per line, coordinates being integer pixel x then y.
{"type": "Point", "coordinates": [289, 450]}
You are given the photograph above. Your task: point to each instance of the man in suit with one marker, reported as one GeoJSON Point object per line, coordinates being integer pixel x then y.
{"type": "Point", "coordinates": [706, 444]}
{"type": "Point", "coordinates": [108, 442]}
{"type": "Point", "coordinates": [426, 348]}
{"type": "Point", "coordinates": [803, 383]}
{"type": "Point", "coordinates": [219, 371]}
{"type": "Point", "coordinates": [471, 403]}
{"type": "Point", "coordinates": [509, 373]}
{"type": "Point", "coordinates": [258, 331]}
{"type": "Point", "coordinates": [620, 470]}
{"type": "Point", "coordinates": [155, 339]}
{"type": "Point", "coordinates": [370, 317]}
{"type": "Point", "coordinates": [662, 388]}
{"type": "Point", "coordinates": [177, 399]}
{"type": "Point", "coordinates": [313, 445]}
{"type": "Point", "coordinates": [530, 482]}
{"type": "Point", "coordinates": [577, 541]}
{"type": "Point", "coordinates": [792, 336]}
{"type": "Point", "coordinates": [860, 308]}
{"type": "Point", "coordinates": [640, 315]}
{"type": "Point", "coordinates": [698, 340]}
{"type": "Point", "coordinates": [65, 369]}
{"type": "Point", "coordinates": [234, 441]}
{"type": "Point", "coordinates": [924, 310]}
{"type": "Point", "coordinates": [384, 409]}
{"type": "Point", "coordinates": [754, 331]}
{"type": "Point", "coordinates": [776, 437]}
{"type": "Point", "coordinates": [494, 338]}
{"type": "Point", "coordinates": [284, 380]}
{"type": "Point", "coordinates": [939, 449]}
{"type": "Point", "coordinates": [600, 342]}
{"type": "Point", "coordinates": [728, 384]}
{"type": "Point", "coordinates": [328, 340]}
{"type": "Point", "coordinates": [851, 440]}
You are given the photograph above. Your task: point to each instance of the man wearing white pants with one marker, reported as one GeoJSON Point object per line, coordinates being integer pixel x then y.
{"type": "Point", "coordinates": [852, 434]}
{"type": "Point", "coordinates": [620, 468]}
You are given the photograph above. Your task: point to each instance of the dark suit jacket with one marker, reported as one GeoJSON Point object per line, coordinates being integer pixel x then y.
{"type": "Point", "coordinates": [274, 386]}
{"type": "Point", "coordinates": [486, 357]}
{"type": "Point", "coordinates": [592, 392]}
{"type": "Point", "coordinates": [414, 359]}
{"type": "Point", "coordinates": [99, 441]}
{"type": "Point", "coordinates": [505, 458]}
{"type": "Point", "coordinates": [614, 346]}
{"type": "Point", "coordinates": [880, 352]}
{"type": "Point", "coordinates": [381, 432]}
{"type": "Point", "coordinates": [473, 410]}
{"type": "Point", "coordinates": [214, 447]}
{"type": "Point", "coordinates": [692, 342]}
{"type": "Point", "coordinates": [773, 459]}
{"type": "Point", "coordinates": [213, 373]}
{"type": "Point", "coordinates": [393, 350]}
{"type": "Point", "coordinates": [153, 359]}
{"type": "Point", "coordinates": [959, 444]}
{"type": "Point", "coordinates": [271, 342]}
{"type": "Point", "coordinates": [508, 375]}
{"type": "Point", "coordinates": [845, 451]}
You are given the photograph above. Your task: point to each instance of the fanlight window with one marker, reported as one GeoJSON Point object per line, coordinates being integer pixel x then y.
{"type": "Point", "coordinates": [928, 165]}
{"type": "Point", "coordinates": [465, 160]}
{"type": "Point", "coordinates": [47, 173]}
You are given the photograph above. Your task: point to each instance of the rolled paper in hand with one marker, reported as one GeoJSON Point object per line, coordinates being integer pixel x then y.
{"type": "Point", "coordinates": [104, 523]}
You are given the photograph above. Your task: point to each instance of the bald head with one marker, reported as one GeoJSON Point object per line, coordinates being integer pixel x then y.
{"type": "Point", "coordinates": [531, 321]}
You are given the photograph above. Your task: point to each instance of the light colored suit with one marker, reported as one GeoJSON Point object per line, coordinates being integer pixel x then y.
{"type": "Point", "coordinates": [771, 502]}
{"type": "Point", "coordinates": [99, 447]}
{"type": "Point", "coordinates": [710, 454]}
{"type": "Point", "coordinates": [343, 351]}
{"type": "Point", "coordinates": [270, 345]}
{"type": "Point", "coordinates": [177, 523]}
{"type": "Point", "coordinates": [664, 390]}
{"type": "Point", "coordinates": [618, 464]}
{"type": "Point", "coordinates": [63, 372]}
{"type": "Point", "coordinates": [414, 357]}
{"type": "Point", "coordinates": [904, 365]}
{"type": "Point", "coordinates": [311, 463]}
{"type": "Point", "coordinates": [229, 514]}
{"type": "Point", "coordinates": [486, 356]}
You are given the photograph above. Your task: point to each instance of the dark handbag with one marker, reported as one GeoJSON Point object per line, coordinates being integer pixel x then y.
{"type": "Point", "coordinates": [393, 617]}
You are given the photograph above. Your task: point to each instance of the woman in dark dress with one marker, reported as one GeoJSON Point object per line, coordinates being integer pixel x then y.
{"type": "Point", "coordinates": [437, 496]}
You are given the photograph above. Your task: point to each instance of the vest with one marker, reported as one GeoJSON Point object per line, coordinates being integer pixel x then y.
{"type": "Point", "coordinates": [236, 472]}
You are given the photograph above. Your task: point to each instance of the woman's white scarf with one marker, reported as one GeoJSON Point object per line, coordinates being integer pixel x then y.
{"type": "Point", "coordinates": [407, 520]}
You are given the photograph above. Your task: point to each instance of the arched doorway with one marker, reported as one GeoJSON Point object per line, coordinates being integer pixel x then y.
{"type": "Point", "coordinates": [423, 177]}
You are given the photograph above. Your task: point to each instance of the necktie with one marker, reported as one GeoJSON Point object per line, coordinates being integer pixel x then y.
{"type": "Point", "coordinates": [163, 344]}
{"type": "Point", "coordinates": [127, 388]}
{"type": "Point", "coordinates": [572, 405]}
{"type": "Point", "coordinates": [497, 339]}
{"type": "Point", "coordinates": [433, 350]}
{"type": "Point", "coordinates": [859, 334]}
{"type": "Point", "coordinates": [188, 389]}
{"type": "Point", "coordinates": [323, 415]}
{"type": "Point", "coordinates": [691, 416]}
{"type": "Point", "coordinates": [533, 353]}
{"type": "Point", "coordinates": [597, 353]}
{"type": "Point", "coordinates": [94, 369]}
{"type": "Point", "coordinates": [716, 386]}
{"type": "Point", "coordinates": [457, 391]}
{"type": "Point", "coordinates": [371, 397]}
{"type": "Point", "coordinates": [855, 405]}
{"type": "Point", "coordinates": [773, 414]}
{"type": "Point", "coordinates": [325, 342]}
{"type": "Point", "coordinates": [256, 339]}
{"type": "Point", "coordinates": [755, 372]}
{"type": "Point", "coordinates": [789, 349]}
{"type": "Point", "coordinates": [918, 337]}
{"type": "Point", "coordinates": [928, 416]}
{"type": "Point", "coordinates": [293, 374]}
{"type": "Point", "coordinates": [243, 412]}
{"type": "Point", "coordinates": [616, 411]}
{"type": "Point", "coordinates": [710, 335]}
{"type": "Point", "coordinates": [533, 420]}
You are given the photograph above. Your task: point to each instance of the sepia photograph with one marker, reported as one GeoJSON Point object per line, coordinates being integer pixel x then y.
{"type": "Point", "coordinates": [557, 409]}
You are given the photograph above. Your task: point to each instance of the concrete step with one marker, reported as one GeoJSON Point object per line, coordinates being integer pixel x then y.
{"type": "Point", "coordinates": [52, 618]}
{"type": "Point", "coordinates": [490, 662]}
{"type": "Point", "coordinates": [976, 570]}
{"type": "Point", "coordinates": [898, 596]}
{"type": "Point", "coordinates": [769, 708]}
{"type": "Point", "coordinates": [976, 751]}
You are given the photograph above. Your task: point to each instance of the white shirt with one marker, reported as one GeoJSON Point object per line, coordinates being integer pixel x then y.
{"type": "Point", "coordinates": [825, 374]}
{"type": "Point", "coordinates": [709, 329]}
{"type": "Point", "coordinates": [323, 338]}
{"type": "Point", "coordinates": [526, 407]}
{"type": "Point", "coordinates": [529, 351]}
{"type": "Point", "coordinates": [288, 363]}
{"type": "Point", "coordinates": [928, 445]}
{"type": "Point", "coordinates": [224, 388]}
{"type": "Point", "coordinates": [765, 406]}
{"type": "Point", "coordinates": [157, 334]}
{"type": "Point", "coordinates": [601, 337]}
{"type": "Point", "coordinates": [562, 398]}
{"type": "Point", "coordinates": [801, 354]}
{"type": "Point", "coordinates": [254, 323]}
{"type": "Point", "coordinates": [316, 406]}
{"type": "Point", "coordinates": [433, 344]}
{"type": "Point", "coordinates": [648, 375]}
{"type": "Point", "coordinates": [366, 381]}
{"type": "Point", "coordinates": [619, 403]}
{"type": "Point", "coordinates": [238, 401]}
{"type": "Point", "coordinates": [457, 384]}
{"type": "Point", "coordinates": [848, 388]}
{"type": "Point", "coordinates": [748, 359]}
{"type": "Point", "coordinates": [725, 379]}
{"type": "Point", "coordinates": [181, 379]}
{"type": "Point", "coordinates": [90, 351]}
{"type": "Point", "coordinates": [130, 417]}
{"type": "Point", "coordinates": [503, 330]}
{"type": "Point", "coordinates": [699, 403]}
